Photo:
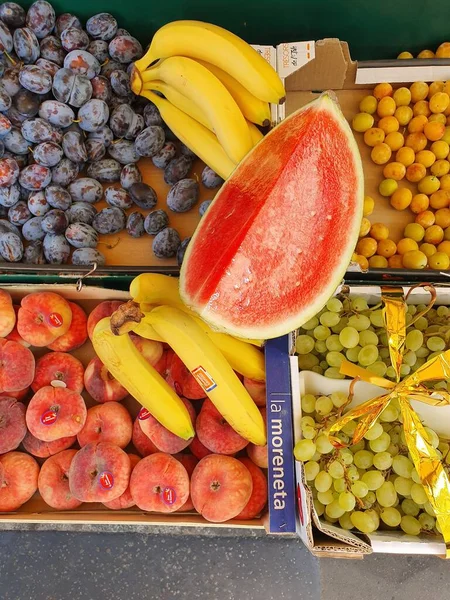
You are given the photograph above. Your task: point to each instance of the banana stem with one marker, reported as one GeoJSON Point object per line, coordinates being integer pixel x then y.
{"type": "Point", "coordinates": [125, 316]}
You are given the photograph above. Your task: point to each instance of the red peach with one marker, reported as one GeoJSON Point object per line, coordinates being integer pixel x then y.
{"type": "Point", "coordinates": [7, 314]}
{"type": "Point", "coordinates": [54, 413]}
{"type": "Point", "coordinates": [20, 480]}
{"type": "Point", "coordinates": [141, 442]}
{"type": "Point", "coordinates": [77, 334]}
{"type": "Point", "coordinates": [161, 365]}
{"type": "Point", "coordinates": [258, 499]}
{"type": "Point", "coordinates": [257, 390]}
{"type": "Point", "coordinates": [16, 366]}
{"type": "Point", "coordinates": [14, 336]}
{"type": "Point", "coordinates": [125, 500]}
{"type": "Point", "coordinates": [12, 424]}
{"type": "Point", "coordinates": [181, 379]}
{"type": "Point", "coordinates": [102, 310]}
{"type": "Point", "coordinates": [109, 422]}
{"type": "Point", "coordinates": [198, 449]}
{"type": "Point", "coordinates": [159, 483]}
{"type": "Point", "coordinates": [99, 472]}
{"type": "Point", "coordinates": [53, 481]}
{"type": "Point", "coordinates": [58, 366]}
{"type": "Point", "coordinates": [215, 433]}
{"type": "Point", "coordinates": [221, 486]}
{"type": "Point", "coordinates": [43, 317]}
{"type": "Point", "coordinates": [20, 394]}
{"type": "Point", "coordinates": [152, 351]}
{"type": "Point", "coordinates": [259, 454]}
{"type": "Point", "coordinates": [189, 462]}
{"type": "Point", "coordinates": [101, 385]}
{"type": "Point", "coordinates": [45, 449]}
{"type": "Point", "coordinates": [164, 440]}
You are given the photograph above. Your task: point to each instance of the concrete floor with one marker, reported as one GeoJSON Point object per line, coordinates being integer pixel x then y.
{"type": "Point", "coordinates": [44, 565]}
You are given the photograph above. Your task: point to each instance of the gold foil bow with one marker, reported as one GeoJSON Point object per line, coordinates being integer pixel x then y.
{"type": "Point", "coordinates": [425, 457]}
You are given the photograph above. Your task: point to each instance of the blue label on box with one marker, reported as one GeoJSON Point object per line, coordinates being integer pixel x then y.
{"type": "Point", "coordinates": [282, 503]}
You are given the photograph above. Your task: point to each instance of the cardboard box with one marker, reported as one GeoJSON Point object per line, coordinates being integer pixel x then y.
{"type": "Point", "coordinates": [321, 537]}
{"type": "Point", "coordinates": [280, 517]}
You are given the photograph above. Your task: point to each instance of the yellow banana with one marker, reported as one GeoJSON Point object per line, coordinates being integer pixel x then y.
{"type": "Point", "coordinates": [211, 370]}
{"type": "Point", "coordinates": [193, 80]}
{"type": "Point", "coordinates": [141, 380]}
{"type": "Point", "coordinates": [255, 110]}
{"type": "Point", "coordinates": [219, 47]}
{"type": "Point", "coordinates": [255, 133]}
{"type": "Point", "coordinates": [196, 137]}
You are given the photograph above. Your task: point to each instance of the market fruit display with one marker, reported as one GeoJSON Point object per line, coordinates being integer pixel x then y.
{"type": "Point", "coordinates": [442, 51]}
{"type": "Point", "coordinates": [72, 433]}
{"type": "Point", "coordinates": [261, 265]}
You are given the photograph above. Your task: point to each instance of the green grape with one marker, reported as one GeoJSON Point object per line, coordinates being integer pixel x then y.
{"type": "Point", "coordinates": [335, 359]}
{"type": "Point", "coordinates": [308, 402]}
{"type": "Point", "coordinates": [365, 521]}
{"type": "Point", "coordinates": [414, 340]}
{"type": "Point", "coordinates": [346, 456]}
{"type": "Point", "coordinates": [409, 507]}
{"type": "Point", "coordinates": [402, 466]}
{"type": "Point", "coordinates": [422, 352]}
{"type": "Point", "coordinates": [432, 437]}
{"type": "Point", "coordinates": [312, 469]}
{"type": "Point", "coordinates": [374, 432]}
{"type": "Point", "coordinates": [334, 304]}
{"type": "Point", "coordinates": [367, 355]}
{"type": "Point", "coordinates": [444, 447]}
{"type": "Point", "coordinates": [442, 311]}
{"type": "Point", "coordinates": [323, 364]}
{"type": "Point", "coordinates": [344, 438]}
{"type": "Point", "coordinates": [304, 344]}
{"type": "Point", "coordinates": [386, 494]}
{"type": "Point", "coordinates": [323, 481]}
{"type": "Point", "coordinates": [350, 428]}
{"type": "Point", "coordinates": [333, 373]}
{"type": "Point", "coordinates": [325, 497]}
{"type": "Point", "coordinates": [370, 499]}
{"type": "Point", "coordinates": [390, 372]}
{"type": "Point", "coordinates": [433, 329]}
{"type": "Point", "coordinates": [336, 470]}
{"type": "Point", "coordinates": [329, 319]}
{"type": "Point", "coordinates": [391, 516]}
{"type": "Point", "coordinates": [339, 399]}
{"type": "Point", "coordinates": [412, 309]}
{"type": "Point", "coordinates": [352, 354]}
{"type": "Point", "coordinates": [393, 449]}
{"type": "Point", "coordinates": [347, 501]}
{"type": "Point", "coordinates": [320, 508]}
{"type": "Point", "coordinates": [359, 489]}
{"type": "Point", "coordinates": [382, 461]}
{"type": "Point", "coordinates": [352, 473]}
{"type": "Point", "coordinates": [307, 361]}
{"type": "Point", "coordinates": [334, 510]}
{"type": "Point", "coordinates": [340, 326]}
{"type": "Point", "coordinates": [435, 344]}
{"type": "Point", "coordinates": [389, 414]}
{"type": "Point", "coordinates": [408, 319]}
{"type": "Point", "coordinates": [421, 324]}
{"type": "Point", "coordinates": [311, 324]}
{"type": "Point", "coordinates": [384, 353]}
{"type": "Point", "coordinates": [333, 343]}
{"type": "Point", "coordinates": [304, 450]}
{"type": "Point", "coordinates": [410, 358]}
{"type": "Point", "coordinates": [359, 304]}
{"type": "Point", "coordinates": [418, 493]}
{"type": "Point", "coordinates": [378, 368]}
{"type": "Point", "coordinates": [363, 459]}
{"type": "Point", "coordinates": [339, 485]}
{"type": "Point", "coordinates": [329, 519]}
{"type": "Point", "coordinates": [323, 444]}
{"type": "Point", "coordinates": [405, 370]}
{"type": "Point", "coordinates": [359, 446]}
{"type": "Point", "coordinates": [403, 486]}
{"type": "Point", "coordinates": [359, 322]}
{"type": "Point", "coordinates": [373, 479]}
{"type": "Point", "coordinates": [410, 525]}
{"type": "Point", "coordinates": [376, 318]}
{"type": "Point", "coordinates": [440, 385]}
{"type": "Point", "coordinates": [433, 354]}
{"type": "Point", "coordinates": [349, 337]}
{"type": "Point", "coordinates": [345, 522]}
{"type": "Point", "coordinates": [427, 522]}
{"type": "Point", "coordinates": [429, 509]}
{"type": "Point", "coordinates": [320, 347]}
{"type": "Point", "coordinates": [367, 338]}
{"type": "Point", "coordinates": [309, 433]}
{"type": "Point", "coordinates": [381, 444]}
{"type": "Point", "coordinates": [324, 405]}
{"type": "Point", "coordinates": [321, 332]}
{"type": "Point", "coordinates": [307, 421]}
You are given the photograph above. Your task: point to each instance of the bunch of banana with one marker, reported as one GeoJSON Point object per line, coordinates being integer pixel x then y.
{"type": "Point", "coordinates": [216, 90]}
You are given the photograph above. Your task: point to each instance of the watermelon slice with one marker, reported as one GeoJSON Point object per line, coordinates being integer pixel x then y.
{"type": "Point", "coordinates": [278, 237]}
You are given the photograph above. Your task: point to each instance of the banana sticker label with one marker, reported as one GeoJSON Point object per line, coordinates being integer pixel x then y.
{"type": "Point", "coordinates": [204, 379]}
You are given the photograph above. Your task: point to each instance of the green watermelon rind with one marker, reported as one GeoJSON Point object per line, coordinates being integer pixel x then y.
{"type": "Point", "coordinates": [326, 101]}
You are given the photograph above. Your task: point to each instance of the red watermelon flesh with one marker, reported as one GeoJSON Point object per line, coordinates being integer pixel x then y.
{"type": "Point", "coordinates": [279, 235]}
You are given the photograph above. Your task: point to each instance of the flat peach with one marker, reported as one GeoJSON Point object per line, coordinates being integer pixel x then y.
{"type": "Point", "coordinates": [20, 480]}
{"type": "Point", "coordinates": [221, 486]}
{"type": "Point", "coordinates": [257, 390]}
{"type": "Point", "coordinates": [77, 333]}
{"type": "Point", "coordinates": [181, 379]}
{"type": "Point", "coordinates": [159, 483]}
{"type": "Point", "coordinates": [54, 413]}
{"type": "Point", "coordinates": [110, 422]}
{"type": "Point", "coordinates": [101, 385]}
{"type": "Point", "coordinates": [53, 481]}
{"type": "Point", "coordinates": [14, 336]}
{"type": "Point", "coordinates": [43, 317]}
{"type": "Point", "coordinates": [161, 365]}
{"type": "Point", "coordinates": [59, 366]}
{"type": "Point", "coordinates": [7, 314]}
{"type": "Point", "coordinates": [259, 454]}
{"type": "Point", "coordinates": [102, 310]}
{"type": "Point", "coordinates": [215, 433]}
{"type": "Point", "coordinates": [141, 442]}
{"type": "Point", "coordinates": [165, 440]}
{"type": "Point", "coordinates": [152, 351]}
{"type": "Point", "coordinates": [125, 500]}
{"type": "Point", "coordinates": [99, 473]}
{"type": "Point", "coordinates": [258, 499]}
{"type": "Point", "coordinates": [16, 366]}
{"type": "Point", "coordinates": [12, 424]}
{"type": "Point", "coordinates": [45, 449]}
{"type": "Point", "coordinates": [189, 462]}
{"type": "Point", "coordinates": [198, 449]}
{"type": "Point", "coordinates": [20, 394]}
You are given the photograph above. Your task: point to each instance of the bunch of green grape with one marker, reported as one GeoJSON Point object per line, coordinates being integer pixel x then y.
{"type": "Point", "coordinates": [372, 484]}
{"type": "Point", "coordinates": [347, 329]}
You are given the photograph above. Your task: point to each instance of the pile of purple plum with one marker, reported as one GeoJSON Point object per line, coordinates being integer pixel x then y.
{"type": "Point", "coordinates": [69, 123]}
